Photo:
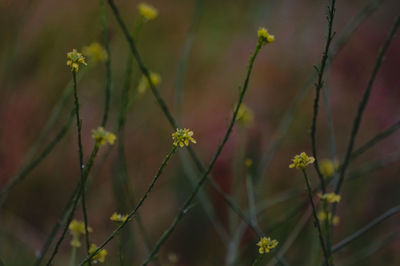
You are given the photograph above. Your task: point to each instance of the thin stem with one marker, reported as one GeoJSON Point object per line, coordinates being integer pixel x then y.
{"type": "Point", "coordinates": [361, 108]}
{"type": "Point", "coordinates": [120, 251]}
{"type": "Point", "coordinates": [165, 109]}
{"type": "Point", "coordinates": [376, 139]}
{"type": "Point", "coordinates": [188, 202]}
{"type": "Point", "coordinates": [81, 164]}
{"type": "Point", "coordinates": [73, 256]}
{"type": "Point", "coordinates": [318, 86]}
{"type": "Point", "coordinates": [75, 202]}
{"type": "Point", "coordinates": [134, 211]}
{"type": "Point", "coordinates": [366, 228]}
{"type": "Point", "coordinates": [288, 118]}
{"type": "Point", "coordinates": [316, 220]}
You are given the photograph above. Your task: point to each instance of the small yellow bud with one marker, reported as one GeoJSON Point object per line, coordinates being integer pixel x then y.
{"type": "Point", "coordinates": [147, 11]}
{"type": "Point", "coordinates": [330, 197]}
{"type": "Point", "coordinates": [95, 52]}
{"type": "Point", "coordinates": [264, 37]}
{"type": "Point", "coordinates": [100, 256]}
{"type": "Point", "coordinates": [101, 136]}
{"type": "Point", "coordinates": [118, 218]}
{"type": "Point", "coordinates": [74, 59]}
{"type": "Point", "coordinates": [301, 161]}
{"type": "Point", "coordinates": [266, 244]}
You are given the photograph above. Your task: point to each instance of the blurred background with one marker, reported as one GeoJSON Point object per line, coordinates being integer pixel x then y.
{"type": "Point", "coordinates": [218, 37]}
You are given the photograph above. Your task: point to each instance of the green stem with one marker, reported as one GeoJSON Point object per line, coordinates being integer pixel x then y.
{"type": "Point", "coordinates": [188, 202]}
{"type": "Point", "coordinates": [75, 202]}
{"type": "Point", "coordinates": [316, 221]}
{"type": "Point", "coordinates": [318, 86]}
{"type": "Point", "coordinates": [103, 20]}
{"type": "Point", "coordinates": [120, 251]}
{"type": "Point", "coordinates": [81, 163]}
{"type": "Point", "coordinates": [366, 228]}
{"type": "Point", "coordinates": [73, 256]}
{"type": "Point", "coordinates": [168, 114]}
{"type": "Point", "coordinates": [361, 108]}
{"type": "Point", "coordinates": [134, 211]}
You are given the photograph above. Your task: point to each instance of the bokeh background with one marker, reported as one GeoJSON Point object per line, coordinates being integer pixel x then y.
{"type": "Point", "coordinates": [36, 35]}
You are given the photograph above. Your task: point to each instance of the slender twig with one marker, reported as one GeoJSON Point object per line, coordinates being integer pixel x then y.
{"type": "Point", "coordinates": [318, 86]}
{"type": "Point", "coordinates": [134, 211]}
{"type": "Point", "coordinates": [376, 139]}
{"type": "Point", "coordinates": [366, 228]}
{"type": "Point", "coordinates": [32, 160]}
{"type": "Point", "coordinates": [81, 164]}
{"type": "Point", "coordinates": [288, 118]}
{"type": "Point", "coordinates": [87, 168]}
{"type": "Point", "coordinates": [361, 108]}
{"type": "Point", "coordinates": [188, 202]}
{"type": "Point", "coordinates": [103, 20]}
{"type": "Point", "coordinates": [166, 111]}
{"type": "Point", "coordinates": [316, 220]}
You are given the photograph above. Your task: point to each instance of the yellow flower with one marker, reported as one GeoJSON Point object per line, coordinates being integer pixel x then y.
{"type": "Point", "coordinates": [95, 52]}
{"type": "Point", "coordinates": [322, 217]}
{"type": "Point", "coordinates": [147, 11]}
{"type": "Point", "coordinates": [100, 256]}
{"type": "Point", "coordinates": [245, 115]}
{"type": "Point", "coordinates": [182, 137]}
{"type": "Point", "coordinates": [118, 218]}
{"type": "Point", "coordinates": [264, 37]}
{"type": "Point", "coordinates": [266, 244]}
{"type": "Point", "coordinates": [301, 161]}
{"type": "Point", "coordinates": [327, 167]}
{"type": "Point", "coordinates": [248, 162]}
{"type": "Point", "coordinates": [74, 59]}
{"type": "Point", "coordinates": [77, 229]}
{"type": "Point", "coordinates": [329, 197]}
{"type": "Point", "coordinates": [144, 83]}
{"type": "Point", "coordinates": [101, 136]}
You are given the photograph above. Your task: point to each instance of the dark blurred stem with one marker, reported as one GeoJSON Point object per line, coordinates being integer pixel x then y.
{"type": "Point", "coordinates": [366, 228]}
{"type": "Point", "coordinates": [361, 108]}
{"type": "Point", "coordinates": [316, 221]}
{"type": "Point", "coordinates": [188, 202]}
{"type": "Point", "coordinates": [81, 165]}
{"type": "Point", "coordinates": [104, 25]}
{"type": "Point", "coordinates": [36, 161]}
{"type": "Point", "coordinates": [120, 251]}
{"type": "Point", "coordinates": [166, 111]}
{"type": "Point", "coordinates": [386, 133]}
{"type": "Point", "coordinates": [134, 211]}
{"type": "Point", "coordinates": [74, 202]}
{"type": "Point", "coordinates": [318, 86]}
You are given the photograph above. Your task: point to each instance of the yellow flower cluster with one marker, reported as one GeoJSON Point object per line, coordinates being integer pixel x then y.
{"type": "Point", "coordinates": [182, 137]}
{"type": "Point", "coordinates": [245, 115]}
{"type": "Point", "coordinates": [74, 59]}
{"type": "Point", "coordinates": [118, 218]}
{"type": "Point", "coordinates": [322, 217]}
{"type": "Point", "coordinates": [77, 229]}
{"type": "Point", "coordinates": [95, 52]}
{"type": "Point", "coordinates": [264, 37]}
{"type": "Point", "coordinates": [147, 11]}
{"type": "Point", "coordinates": [102, 136]}
{"type": "Point", "coordinates": [266, 244]}
{"type": "Point", "coordinates": [301, 161]}
{"type": "Point", "coordinates": [144, 83]}
{"type": "Point", "coordinates": [330, 197]}
{"type": "Point", "coordinates": [100, 256]}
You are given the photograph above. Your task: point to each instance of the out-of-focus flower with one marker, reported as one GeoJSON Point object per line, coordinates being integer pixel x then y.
{"type": "Point", "coordinates": [245, 115]}
{"type": "Point", "coordinates": [102, 136]}
{"type": "Point", "coordinates": [327, 167]}
{"type": "Point", "coordinates": [148, 12]}
{"type": "Point", "coordinates": [77, 228]}
{"type": "Point", "coordinates": [144, 83]}
{"type": "Point", "coordinates": [100, 256]}
{"type": "Point", "coordinates": [330, 197]}
{"type": "Point", "coordinates": [322, 217]}
{"type": "Point", "coordinates": [95, 52]}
